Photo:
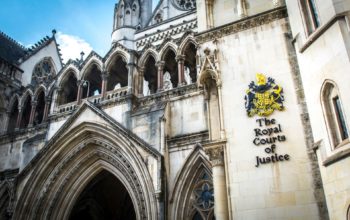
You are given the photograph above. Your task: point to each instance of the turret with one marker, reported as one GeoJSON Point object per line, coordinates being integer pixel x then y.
{"type": "Point", "coordinates": [129, 16]}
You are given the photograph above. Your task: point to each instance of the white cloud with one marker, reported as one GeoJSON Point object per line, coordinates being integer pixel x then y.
{"type": "Point", "coordinates": [71, 46]}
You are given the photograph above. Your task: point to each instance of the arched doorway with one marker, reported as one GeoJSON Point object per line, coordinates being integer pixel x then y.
{"type": "Point", "coordinates": [74, 171]}
{"type": "Point", "coordinates": [105, 197]}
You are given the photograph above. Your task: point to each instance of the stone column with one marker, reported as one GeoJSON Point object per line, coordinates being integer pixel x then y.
{"type": "Point", "coordinates": [160, 66]}
{"type": "Point", "coordinates": [180, 59]}
{"type": "Point", "coordinates": [222, 128]}
{"type": "Point", "coordinates": [32, 114]}
{"type": "Point", "coordinates": [210, 16]}
{"type": "Point", "coordinates": [80, 91]}
{"type": "Point", "coordinates": [46, 109]}
{"type": "Point", "coordinates": [104, 84]}
{"type": "Point", "coordinates": [6, 121]}
{"type": "Point", "coordinates": [131, 67]}
{"type": "Point", "coordinates": [242, 8]}
{"type": "Point", "coordinates": [140, 82]}
{"type": "Point", "coordinates": [19, 118]}
{"type": "Point", "coordinates": [216, 156]}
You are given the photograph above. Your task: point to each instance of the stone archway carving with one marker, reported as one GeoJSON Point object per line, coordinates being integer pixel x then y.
{"type": "Point", "coordinates": [67, 166]}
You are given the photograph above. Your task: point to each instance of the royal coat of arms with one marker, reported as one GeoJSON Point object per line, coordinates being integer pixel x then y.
{"type": "Point", "coordinates": [265, 97]}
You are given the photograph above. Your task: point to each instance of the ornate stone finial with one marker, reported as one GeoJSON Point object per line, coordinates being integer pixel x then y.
{"type": "Point", "coordinates": [82, 56]}
{"type": "Point", "coordinates": [54, 32]}
{"type": "Point", "coordinates": [216, 155]}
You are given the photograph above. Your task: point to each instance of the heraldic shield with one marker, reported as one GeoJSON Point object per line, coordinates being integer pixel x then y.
{"type": "Point", "coordinates": [265, 97]}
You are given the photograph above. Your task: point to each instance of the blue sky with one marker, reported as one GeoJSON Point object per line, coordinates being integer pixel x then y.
{"type": "Point", "coordinates": [86, 21]}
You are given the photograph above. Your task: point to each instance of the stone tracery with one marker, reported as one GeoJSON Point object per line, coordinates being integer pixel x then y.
{"type": "Point", "coordinates": [43, 71]}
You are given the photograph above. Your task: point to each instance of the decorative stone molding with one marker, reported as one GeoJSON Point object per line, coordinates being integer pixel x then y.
{"type": "Point", "coordinates": [177, 29]}
{"type": "Point", "coordinates": [242, 25]}
{"type": "Point", "coordinates": [187, 140]}
{"type": "Point", "coordinates": [184, 5]}
{"type": "Point", "coordinates": [209, 67]}
{"type": "Point", "coordinates": [216, 155]}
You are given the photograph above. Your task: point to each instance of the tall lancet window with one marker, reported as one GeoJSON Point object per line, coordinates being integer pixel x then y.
{"type": "Point", "coordinates": [203, 198]}
{"type": "Point", "coordinates": [310, 15]}
{"type": "Point", "coordinates": [335, 117]}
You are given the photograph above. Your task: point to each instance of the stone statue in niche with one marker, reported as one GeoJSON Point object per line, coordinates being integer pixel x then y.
{"type": "Point", "coordinates": [118, 86]}
{"type": "Point", "coordinates": [167, 81]}
{"type": "Point", "coordinates": [146, 90]}
{"type": "Point", "coordinates": [188, 78]}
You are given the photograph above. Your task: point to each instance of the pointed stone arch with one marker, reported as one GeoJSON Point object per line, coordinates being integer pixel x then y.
{"type": "Point", "coordinates": [164, 49]}
{"type": "Point", "coordinates": [148, 73]}
{"type": "Point", "coordinates": [334, 114]}
{"type": "Point", "coordinates": [70, 160]}
{"type": "Point", "coordinates": [13, 113]}
{"type": "Point", "coordinates": [185, 42]}
{"type": "Point", "coordinates": [188, 52]}
{"type": "Point", "coordinates": [27, 93]}
{"type": "Point", "coordinates": [38, 90]}
{"type": "Point", "coordinates": [145, 56]}
{"type": "Point", "coordinates": [117, 53]}
{"type": "Point", "coordinates": [117, 68]}
{"type": "Point", "coordinates": [91, 77]}
{"type": "Point", "coordinates": [26, 107]}
{"type": "Point", "coordinates": [195, 166]}
{"type": "Point", "coordinates": [40, 101]}
{"type": "Point", "coordinates": [12, 101]}
{"type": "Point", "coordinates": [89, 63]}
{"type": "Point", "coordinates": [3, 113]}
{"type": "Point", "coordinates": [66, 72]}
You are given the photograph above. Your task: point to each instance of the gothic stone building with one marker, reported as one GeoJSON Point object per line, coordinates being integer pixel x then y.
{"type": "Point", "coordinates": [230, 109]}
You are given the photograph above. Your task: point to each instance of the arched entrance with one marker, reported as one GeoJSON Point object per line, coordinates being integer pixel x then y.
{"type": "Point", "coordinates": [91, 166]}
{"type": "Point", "coordinates": [105, 197]}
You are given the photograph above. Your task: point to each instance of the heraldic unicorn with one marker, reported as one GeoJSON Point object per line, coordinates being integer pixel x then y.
{"type": "Point", "coordinates": [265, 97]}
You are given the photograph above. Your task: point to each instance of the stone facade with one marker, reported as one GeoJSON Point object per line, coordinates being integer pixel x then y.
{"type": "Point", "coordinates": [168, 116]}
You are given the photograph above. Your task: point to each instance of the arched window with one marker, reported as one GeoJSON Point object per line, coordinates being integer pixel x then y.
{"type": "Point", "coordinates": [193, 195]}
{"type": "Point", "coordinates": [335, 118]}
{"type": "Point", "coordinates": [26, 110]}
{"type": "Point", "coordinates": [170, 70]}
{"type": "Point", "coordinates": [43, 72]}
{"type": "Point", "coordinates": [190, 63]}
{"type": "Point", "coordinates": [92, 82]}
{"type": "Point", "coordinates": [13, 117]}
{"type": "Point", "coordinates": [118, 74]}
{"type": "Point", "coordinates": [39, 110]}
{"type": "Point", "coordinates": [203, 198]}
{"type": "Point", "coordinates": [150, 77]}
{"type": "Point", "coordinates": [69, 89]}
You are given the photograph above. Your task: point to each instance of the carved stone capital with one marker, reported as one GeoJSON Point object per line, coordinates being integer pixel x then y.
{"type": "Point", "coordinates": [105, 75]}
{"type": "Point", "coordinates": [180, 58]}
{"type": "Point", "coordinates": [216, 155]}
{"type": "Point", "coordinates": [48, 99]}
{"type": "Point", "coordinates": [34, 103]}
{"type": "Point", "coordinates": [160, 64]}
